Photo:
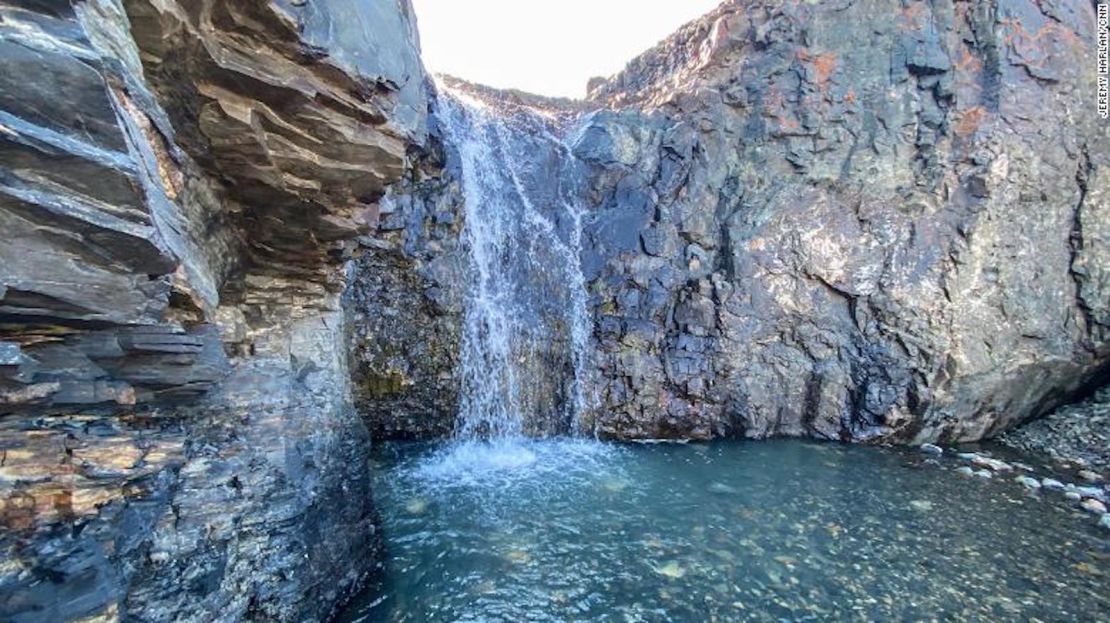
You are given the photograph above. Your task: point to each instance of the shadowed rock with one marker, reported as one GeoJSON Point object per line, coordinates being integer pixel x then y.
{"type": "Point", "coordinates": [307, 109]}
{"type": "Point", "coordinates": [180, 184]}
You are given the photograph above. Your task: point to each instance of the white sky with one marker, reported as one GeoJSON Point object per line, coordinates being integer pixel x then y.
{"type": "Point", "coordinates": [549, 47]}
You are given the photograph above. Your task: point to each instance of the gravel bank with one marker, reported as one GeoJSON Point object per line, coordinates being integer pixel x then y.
{"type": "Point", "coordinates": [1077, 433]}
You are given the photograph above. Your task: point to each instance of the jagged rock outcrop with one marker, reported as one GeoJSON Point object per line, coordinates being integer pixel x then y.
{"type": "Point", "coordinates": [181, 186]}
{"type": "Point", "coordinates": [96, 250]}
{"type": "Point", "coordinates": [307, 109]}
{"type": "Point", "coordinates": [857, 220]}
{"type": "Point", "coordinates": [405, 306]}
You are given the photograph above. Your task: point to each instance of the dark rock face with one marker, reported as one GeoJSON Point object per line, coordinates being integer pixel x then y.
{"type": "Point", "coordinates": [405, 306]}
{"type": "Point", "coordinates": [852, 220]}
{"type": "Point", "coordinates": [181, 186]}
{"type": "Point", "coordinates": [835, 225]}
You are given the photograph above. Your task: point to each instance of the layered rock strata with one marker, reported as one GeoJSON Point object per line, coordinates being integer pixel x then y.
{"type": "Point", "coordinates": [181, 187]}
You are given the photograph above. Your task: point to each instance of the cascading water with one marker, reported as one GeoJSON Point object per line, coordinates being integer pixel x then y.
{"type": "Point", "coordinates": [526, 338]}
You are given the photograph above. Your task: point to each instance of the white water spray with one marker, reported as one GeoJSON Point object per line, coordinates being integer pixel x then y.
{"type": "Point", "coordinates": [523, 233]}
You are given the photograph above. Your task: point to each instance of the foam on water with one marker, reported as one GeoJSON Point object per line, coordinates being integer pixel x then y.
{"type": "Point", "coordinates": [501, 464]}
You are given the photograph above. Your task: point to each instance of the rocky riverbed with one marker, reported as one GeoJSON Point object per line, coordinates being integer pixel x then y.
{"type": "Point", "coordinates": [1074, 485]}
{"type": "Point", "coordinates": [577, 530]}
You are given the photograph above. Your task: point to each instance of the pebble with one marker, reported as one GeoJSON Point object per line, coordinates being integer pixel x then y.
{"type": "Point", "coordinates": [1088, 492]}
{"type": "Point", "coordinates": [614, 486]}
{"type": "Point", "coordinates": [1090, 476]}
{"type": "Point", "coordinates": [1093, 505]}
{"type": "Point", "coordinates": [984, 474]}
{"type": "Point", "coordinates": [1052, 484]}
{"type": "Point", "coordinates": [722, 489]}
{"type": "Point", "coordinates": [966, 471]}
{"type": "Point", "coordinates": [929, 448]}
{"type": "Point", "coordinates": [1073, 496]}
{"type": "Point", "coordinates": [416, 506]}
{"type": "Point", "coordinates": [923, 506]}
{"type": "Point", "coordinates": [518, 556]}
{"type": "Point", "coordinates": [1031, 483]}
{"type": "Point", "coordinates": [991, 464]}
{"type": "Point", "coordinates": [671, 570]}
{"type": "Point", "coordinates": [1104, 521]}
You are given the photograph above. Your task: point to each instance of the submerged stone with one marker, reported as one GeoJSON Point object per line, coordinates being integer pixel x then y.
{"type": "Point", "coordinates": [518, 556]}
{"type": "Point", "coordinates": [929, 448]}
{"type": "Point", "coordinates": [722, 488]}
{"type": "Point", "coordinates": [1092, 505]}
{"type": "Point", "coordinates": [671, 570]}
{"type": "Point", "coordinates": [1052, 484]}
{"type": "Point", "coordinates": [991, 463]}
{"type": "Point", "coordinates": [416, 506]}
{"type": "Point", "coordinates": [615, 486]}
{"type": "Point", "coordinates": [1090, 476]}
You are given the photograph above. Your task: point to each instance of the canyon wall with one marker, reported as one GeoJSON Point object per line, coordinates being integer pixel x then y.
{"type": "Point", "coordinates": [182, 185]}
{"type": "Point", "coordinates": [233, 241]}
{"type": "Point", "coordinates": [854, 220]}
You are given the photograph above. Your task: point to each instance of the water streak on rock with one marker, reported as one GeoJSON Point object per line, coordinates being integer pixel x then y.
{"type": "Point", "coordinates": [526, 343]}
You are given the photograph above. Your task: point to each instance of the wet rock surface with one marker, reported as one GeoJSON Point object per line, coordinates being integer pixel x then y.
{"type": "Point", "coordinates": [405, 306]}
{"type": "Point", "coordinates": [789, 233]}
{"type": "Point", "coordinates": [181, 186]}
{"type": "Point", "coordinates": [802, 234]}
{"type": "Point", "coordinates": [417, 279]}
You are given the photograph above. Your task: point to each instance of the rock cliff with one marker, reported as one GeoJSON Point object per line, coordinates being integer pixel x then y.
{"type": "Point", "coordinates": [850, 226]}
{"type": "Point", "coordinates": [855, 220]}
{"type": "Point", "coordinates": [181, 187]}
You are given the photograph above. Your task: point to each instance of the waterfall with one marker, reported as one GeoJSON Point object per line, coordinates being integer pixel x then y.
{"type": "Point", "coordinates": [526, 349]}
